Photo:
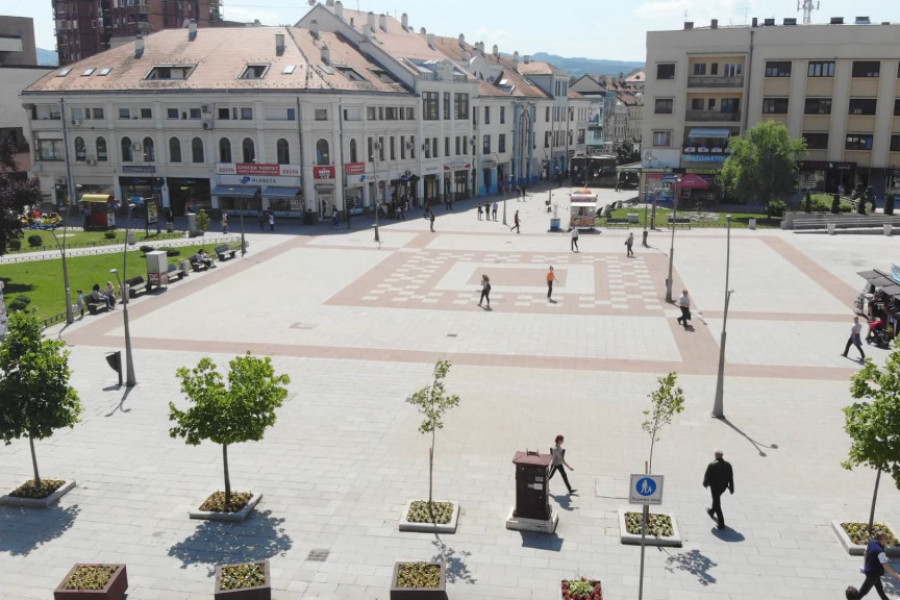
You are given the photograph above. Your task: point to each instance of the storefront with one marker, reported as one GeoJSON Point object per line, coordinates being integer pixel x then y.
{"type": "Point", "coordinates": [249, 188]}
{"type": "Point", "coordinates": [827, 176]}
{"type": "Point", "coordinates": [355, 178]}
{"type": "Point", "coordinates": [326, 201]}
{"type": "Point", "coordinates": [183, 191]}
{"type": "Point", "coordinates": [456, 179]}
{"type": "Point", "coordinates": [143, 186]}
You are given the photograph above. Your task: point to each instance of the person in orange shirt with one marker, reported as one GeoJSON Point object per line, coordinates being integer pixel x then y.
{"type": "Point", "coordinates": [550, 279]}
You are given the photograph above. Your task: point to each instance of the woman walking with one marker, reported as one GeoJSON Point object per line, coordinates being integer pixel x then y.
{"type": "Point", "coordinates": [559, 462]}
{"type": "Point", "coordinates": [485, 290]}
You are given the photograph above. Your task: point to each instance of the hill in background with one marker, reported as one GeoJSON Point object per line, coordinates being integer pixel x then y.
{"type": "Point", "coordinates": [582, 66]}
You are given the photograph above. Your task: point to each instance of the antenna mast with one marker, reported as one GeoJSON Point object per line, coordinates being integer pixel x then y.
{"type": "Point", "coordinates": [807, 6]}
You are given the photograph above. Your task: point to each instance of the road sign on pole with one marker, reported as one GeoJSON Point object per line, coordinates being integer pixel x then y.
{"type": "Point", "coordinates": [646, 490]}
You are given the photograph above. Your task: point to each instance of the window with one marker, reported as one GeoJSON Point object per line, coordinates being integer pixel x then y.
{"type": "Point", "coordinates": [127, 152]}
{"type": "Point", "coordinates": [224, 114]}
{"type": "Point", "coordinates": [699, 68]}
{"type": "Point", "coordinates": [775, 106]}
{"type": "Point", "coordinates": [662, 138]}
{"type": "Point", "coordinates": [858, 142]}
{"type": "Point", "coordinates": [171, 113]}
{"type": "Point", "coordinates": [501, 143]}
{"type": "Point", "coordinates": [146, 113]}
{"type": "Point", "coordinates": [816, 141]}
{"type": "Point", "coordinates": [409, 113]}
{"type": "Point", "coordinates": [149, 150]}
{"type": "Point", "coordinates": [429, 106]}
{"type": "Point", "coordinates": [382, 75]}
{"type": "Point", "coordinates": [733, 69]}
{"type": "Point", "coordinates": [457, 148]}
{"type": "Point", "coordinates": [224, 150]}
{"type": "Point", "coordinates": [446, 146]}
{"type": "Point", "coordinates": [124, 113]}
{"type": "Point", "coordinates": [105, 71]}
{"type": "Point", "coordinates": [246, 113]}
{"type": "Point", "coordinates": [371, 148]}
{"type": "Point", "coordinates": [171, 72]}
{"type": "Point", "coordinates": [862, 106]}
{"type": "Point", "coordinates": [547, 115]}
{"type": "Point", "coordinates": [897, 107]}
{"type": "Point", "coordinates": [866, 68]}
{"type": "Point", "coordinates": [50, 149]}
{"type": "Point", "coordinates": [487, 115]}
{"type": "Point", "coordinates": [895, 143]}
{"type": "Point", "coordinates": [80, 149]}
{"type": "Point", "coordinates": [502, 115]}
{"type": "Point", "coordinates": [697, 104]}
{"type": "Point", "coordinates": [88, 72]}
{"type": "Point", "coordinates": [817, 106]}
{"type": "Point", "coordinates": [711, 104]}
{"type": "Point", "coordinates": [353, 151]}
{"type": "Point", "coordinates": [778, 68]}
{"type": "Point", "coordinates": [292, 114]}
{"type": "Point", "coordinates": [486, 144]}
{"type": "Point", "coordinates": [380, 148]}
{"type": "Point", "coordinates": [102, 154]}
{"type": "Point", "coordinates": [412, 146]}
{"type": "Point", "coordinates": [322, 156]}
{"type": "Point", "coordinates": [714, 68]}
{"type": "Point", "coordinates": [664, 106]}
{"type": "Point", "coordinates": [289, 69]}
{"type": "Point", "coordinates": [391, 113]}
{"type": "Point", "coordinates": [446, 105]}
{"type": "Point", "coordinates": [402, 147]}
{"type": "Point", "coordinates": [248, 149]}
{"type": "Point", "coordinates": [321, 114]}
{"type": "Point", "coordinates": [665, 71]}
{"type": "Point", "coordinates": [197, 150]}
{"type": "Point", "coordinates": [255, 71]}
{"type": "Point", "coordinates": [96, 113]}
{"type": "Point", "coordinates": [174, 150]}
{"type": "Point", "coordinates": [820, 69]}
{"type": "Point", "coordinates": [393, 148]}
{"type": "Point", "coordinates": [283, 152]}
{"type": "Point", "coordinates": [730, 105]}
{"type": "Point", "coordinates": [461, 103]}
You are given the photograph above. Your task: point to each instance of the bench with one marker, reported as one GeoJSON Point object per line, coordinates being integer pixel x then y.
{"type": "Point", "coordinates": [680, 222]}
{"type": "Point", "coordinates": [94, 306]}
{"type": "Point", "coordinates": [846, 222]}
{"type": "Point", "coordinates": [617, 222]}
{"type": "Point", "coordinates": [134, 286]}
{"type": "Point", "coordinates": [224, 252]}
{"type": "Point", "coordinates": [178, 270]}
{"type": "Point", "coordinates": [199, 265]}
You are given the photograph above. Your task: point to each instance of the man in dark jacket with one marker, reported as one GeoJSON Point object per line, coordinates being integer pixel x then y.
{"type": "Point", "coordinates": [876, 563]}
{"type": "Point", "coordinates": [718, 478]}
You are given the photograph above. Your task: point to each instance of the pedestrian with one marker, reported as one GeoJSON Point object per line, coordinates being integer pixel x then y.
{"type": "Point", "coordinates": [685, 304]}
{"type": "Point", "coordinates": [719, 477]}
{"type": "Point", "coordinates": [271, 221]}
{"type": "Point", "coordinates": [261, 217]}
{"type": "Point", "coordinates": [574, 245]}
{"type": "Point", "coordinates": [644, 241]}
{"type": "Point", "coordinates": [479, 211]}
{"type": "Point", "coordinates": [551, 277]}
{"type": "Point", "coordinates": [558, 463]}
{"type": "Point", "coordinates": [431, 219]}
{"type": "Point", "coordinates": [335, 218]}
{"type": "Point", "coordinates": [224, 222]}
{"type": "Point", "coordinates": [629, 242]}
{"type": "Point", "coordinates": [494, 210]}
{"type": "Point", "coordinates": [516, 223]}
{"type": "Point", "coordinates": [855, 339]}
{"type": "Point", "coordinates": [485, 291]}
{"type": "Point", "coordinates": [875, 564]}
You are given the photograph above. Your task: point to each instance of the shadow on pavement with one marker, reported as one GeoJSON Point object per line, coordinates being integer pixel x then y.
{"type": "Point", "coordinates": [541, 541]}
{"type": "Point", "coordinates": [23, 530]}
{"type": "Point", "coordinates": [215, 543]}
{"type": "Point", "coordinates": [455, 564]}
{"type": "Point", "coordinates": [693, 562]}
{"type": "Point", "coordinates": [564, 501]}
{"type": "Point", "coordinates": [758, 445]}
{"type": "Point", "coordinates": [728, 534]}
{"type": "Point", "coordinates": [120, 405]}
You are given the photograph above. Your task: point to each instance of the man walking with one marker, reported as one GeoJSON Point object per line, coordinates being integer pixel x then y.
{"type": "Point", "coordinates": [876, 563]}
{"type": "Point", "coordinates": [431, 219]}
{"type": "Point", "coordinates": [629, 243]}
{"type": "Point", "coordinates": [494, 210]}
{"type": "Point", "coordinates": [559, 463]}
{"type": "Point", "coordinates": [685, 304]}
{"type": "Point", "coordinates": [855, 340]}
{"type": "Point", "coordinates": [574, 244]}
{"type": "Point", "coordinates": [516, 223]}
{"type": "Point", "coordinates": [550, 279]}
{"type": "Point", "coordinates": [719, 477]}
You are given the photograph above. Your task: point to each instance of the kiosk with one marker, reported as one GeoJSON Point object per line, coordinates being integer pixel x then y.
{"type": "Point", "coordinates": [583, 211]}
{"type": "Point", "coordinates": [532, 511]}
{"type": "Point", "coordinates": [99, 211]}
{"type": "Point", "coordinates": [158, 268]}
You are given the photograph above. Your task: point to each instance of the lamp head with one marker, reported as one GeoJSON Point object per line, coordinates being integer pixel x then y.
{"type": "Point", "coordinates": [116, 271]}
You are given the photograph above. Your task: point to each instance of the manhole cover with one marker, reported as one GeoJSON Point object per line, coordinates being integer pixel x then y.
{"type": "Point", "coordinates": [318, 555]}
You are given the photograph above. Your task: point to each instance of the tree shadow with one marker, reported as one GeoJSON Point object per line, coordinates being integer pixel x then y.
{"type": "Point", "coordinates": [215, 543]}
{"type": "Point", "coordinates": [23, 530]}
{"type": "Point", "coordinates": [564, 501]}
{"type": "Point", "coordinates": [693, 562]}
{"type": "Point", "coordinates": [758, 445]}
{"type": "Point", "coordinates": [454, 563]}
{"type": "Point", "coordinates": [541, 541]}
{"type": "Point", "coordinates": [120, 405]}
{"type": "Point", "coordinates": [10, 287]}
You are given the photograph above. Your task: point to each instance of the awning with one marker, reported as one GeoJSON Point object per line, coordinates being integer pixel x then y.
{"type": "Point", "coordinates": [590, 204]}
{"type": "Point", "coordinates": [281, 193]}
{"type": "Point", "coordinates": [709, 132]}
{"type": "Point", "coordinates": [236, 191]}
{"type": "Point", "coordinates": [97, 198]}
{"type": "Point", "coordinates": [693, 182]}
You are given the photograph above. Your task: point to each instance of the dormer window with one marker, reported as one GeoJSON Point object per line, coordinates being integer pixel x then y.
{"type": "Point", "coordinates": [255, 71]}
{"type": "Point", "coordinates": [64, 72]}
{"type": "Point", "coordinates": [171, 72]}
{"type": "Point", "coordinates": [351, 74]}
{"type": "Point", "coordinates": [88, 72]}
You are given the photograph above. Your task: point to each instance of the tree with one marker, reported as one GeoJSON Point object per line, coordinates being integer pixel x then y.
{"type": "Point", "coordinates": [763, 164]}
{"type": "Point", "coordinates": [432, 401]}
{"type": "Point", "coordinates": [665, 402]}
{"type": "Point", "coordinates": [35, 395]}
{"type": "Point", "coordinates": [202, 220]}
{"type": "Point", "coordinates": [16, 193]}
{"type": "Point", "coordinates": [227, 414]}
{"type": "Point", "coordinates": [874, 426]}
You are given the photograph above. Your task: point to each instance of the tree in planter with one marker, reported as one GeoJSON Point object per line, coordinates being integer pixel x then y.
{"type": "Point", "coordinates": [432, 401]}
{"type": "Point", "coordinates": [874, 426]}
{"type": "Point", "coordinates": [35, 395]}
{"type": "Point", "coordinates": [225, 414]}
{"type": "Point", "coordinates": [665, 402]}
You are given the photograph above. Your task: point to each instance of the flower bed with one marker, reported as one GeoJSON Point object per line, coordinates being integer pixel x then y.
{"type": "Point", "coordinates": [662, 530]}
{"type": "Point", "coordinates": [581, 589]}
{"type": "Point", "coordinates": [418, 581]}
{"type": "Point", "coordinates": [437, 512]}
{"type": "Point", "coordinates": [854, 536]}
{"type": "Point", "coordinates": [93, 582]}
{"type": "Point", "coordinates": [214, 508]}
{"type": "Point", "coordinates": [245, 581]}
{"type": "Point", "coordinates": [658, 525]}
{"type": "Point", "coordinates": [30, 490]}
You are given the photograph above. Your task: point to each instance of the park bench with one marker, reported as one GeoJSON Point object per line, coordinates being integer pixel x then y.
{"type": "Point", "coordinates": [178, 270]}
{"type": "Point", "coordinates": [134, 286]}
{"type": "Point", "coordinates": [617, 222]}
{"type": "Point", "coordinates": [95, 306]}
{"type": "Point", "coordinates": [225, 252]}
{"type": "Point", "coordinates": [846, 222]}
{"type": "Point", "coordinates": [197, 264]}
{"type": "Point", "coordinates": [680, 222]}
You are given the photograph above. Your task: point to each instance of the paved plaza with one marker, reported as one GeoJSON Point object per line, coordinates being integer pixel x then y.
{"type": "Point", "coordinates": [358, 328]}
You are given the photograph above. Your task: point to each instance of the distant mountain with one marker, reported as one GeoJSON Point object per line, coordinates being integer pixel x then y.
{"type": "Point", "coordinates": [582, 66]}
{"type": "Point", "coordinates": [47, 58]}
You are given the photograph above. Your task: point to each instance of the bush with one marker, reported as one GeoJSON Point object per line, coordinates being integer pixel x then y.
{"type": "Point", "coordinates": [776, 208]}
{"type": "Point", "coordinates": [836, 204]}
{"type": "Point", "coordinates": [807, 203]}
{"type": "Point", "coordinates": [145, 249]}
{"type": "Point", "coordinates": [110, 235]}
{"type": "Point", "coordinates": [172, 251]}
{"type": "Point", "coordinates": [35, 241]}
{"type": "Point", "coordinates": [16, 244]}
{"type": "Point", "coordinates": [20, 302]}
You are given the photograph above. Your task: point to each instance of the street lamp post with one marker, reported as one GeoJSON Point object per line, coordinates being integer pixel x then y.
{"type": "Point", "coordinates": [672, 247]}
{"type": "Point", "coordinates": [130, 380]}
{"type": "Point", "coordinates": [649, 157]}
{"type": "Point", "coordinates": [377, 148]}
{"type": "Point", "coordinates": [243, 210]}
{"type": "Point", "coordinates": [718, 409]}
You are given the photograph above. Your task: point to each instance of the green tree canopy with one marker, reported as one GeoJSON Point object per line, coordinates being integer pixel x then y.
{"type": "Point", "coordinates": [239, 411]}
{"type": "Point", "coordinates": [762, 164]}
{"type": "Point", "coordinates": [16, 192]}
{"type": "Point", "coordinates": [35, 395]}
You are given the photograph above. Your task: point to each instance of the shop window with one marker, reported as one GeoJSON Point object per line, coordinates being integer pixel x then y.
{"type": "Point", "coordinates": [248, 150]}
{"type": "Point", "coordinates": [127, 152]}
{"type": "Point", "coordinates": [818, 68]}
{"type": "Point", "coordinates": [816, 141]}
{"type": "Point", "coordinates": [858, 142]}
{"type": "Point", "coordinates": [224, 150]}
{"type": "Point", "coordinates": [174, 150]}
{"type": "Point", "coordinates": [283, 152]}
{"type": "Point", "coordinates": [665, 71]}
{"type": "Point", "coordinates": [778, 68]}
{"type": "Point", "coordinates": [775, 106]}
{"type": "Point", "coordinates": [664, 106]}
{"type": "Point", "coordinates": [102, 154]}
{"type": "Point", "coordinates": [197, 150]}
{"type": "Point", "coordinates": [322, 154]}
{"type": "Point", "coordinates": [862, 106]}
{"type": "Point", "coordinates": [866, 68]}
{"type": "Point", "coordinates": [353, 151]}
{"type": "Point", "coordinates": [80, 149]}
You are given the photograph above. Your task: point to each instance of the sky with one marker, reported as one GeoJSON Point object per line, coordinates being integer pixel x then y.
{"type": "Point", "coordinates": [602, 29]}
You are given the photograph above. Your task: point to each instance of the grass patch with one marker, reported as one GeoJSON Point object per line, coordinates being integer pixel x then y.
{"type": "Point", "coordinates": [83, 239]}
{"type": "Point", "coordinates": [42, 280]}
{"type": "Point", "coordinates": [739, 220]}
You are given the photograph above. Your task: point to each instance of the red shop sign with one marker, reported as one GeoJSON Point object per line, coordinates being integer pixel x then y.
{"type": "Point", "coordinates": [323, 172]}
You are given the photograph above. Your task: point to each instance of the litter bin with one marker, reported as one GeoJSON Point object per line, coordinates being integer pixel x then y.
{"type": "Point", "coordinates": [554, 224]}
{"type": "Point", "coordinates": [114, 360]}
{"type": "Point", "coordinates": [832, 228]}
{"type": "Point", "coordinates": [888, 229]}
{"type": "Point", "coordinates": [752, 224]}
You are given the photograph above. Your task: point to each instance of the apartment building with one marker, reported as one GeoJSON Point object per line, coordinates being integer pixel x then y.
{"type": "Point", "coordinates": [837, 85]}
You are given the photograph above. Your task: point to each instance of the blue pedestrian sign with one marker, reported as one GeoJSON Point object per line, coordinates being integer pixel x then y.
{"type": "Point", "coordinates": [646, 489]}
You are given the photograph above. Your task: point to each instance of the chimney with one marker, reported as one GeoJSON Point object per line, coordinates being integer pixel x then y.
{"type": "Point", "coordinates": [326, 54]}
{"type": "Point", "coordinates": [339, 10]}
{"type": "Point", "coordinates": [423, 31]}
{"type": "Point", "coordinates": [515, 59]}
{"type": "Point", "coordinates": [139, 46]}
{"type": "Point", "coordinates": [789, 21]}
{"type": "Point", "coordinates": [192, 30]}
{"type": "Point", "coordinates": [371, 24]}
{"type": "Point", "coordinates": [382, 22]}
{"type": "Point", "coordinates": [430, 40]}
{"type": "Point", "coordinates": [837, 20]}
{"type": "Point", "coordinates": [462, 40]}
{"type": "Point", "coordinates": [329, 2]}
{"type": "Point", "coordinates": [496, 50]}
{"type": "Point", "coordinates": [404, 20]}
{"type": "Point", "coordinates": [688, 25]}
{"type": "Point", "coordinates": [755, 22]}
{"type": "Point", "coordinates": [526, 59]}
{"type": "Point", "coordinates": [314, 28]}
{"type": "Point", "coordinates": [863, 21]}
{"type": "Point", "coordinates": [714, 24]}
{"type": "Point", "coordinates": [279, 44]}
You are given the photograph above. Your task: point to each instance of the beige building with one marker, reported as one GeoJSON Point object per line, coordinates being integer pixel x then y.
{"type": "Point", "coordinates": [836, 85]}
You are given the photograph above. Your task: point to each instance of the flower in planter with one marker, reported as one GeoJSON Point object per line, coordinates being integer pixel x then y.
{"type": "Point", "coordinates": [437, 512]}
{"type": "Point", "coordinates": [37, 492]}
{"type": "Point", "coordinates": [89, 577]}
{"type": "Point", "coordinates": [236, 577]}
{"type": "Point", "coordinates": [859, 532]}
{"type": "Point", "coordinates": [419, 575]}
{"type": "Point", "coordinates": [581, 589]}
{"type": "Point", "coordinates": [658, 525]}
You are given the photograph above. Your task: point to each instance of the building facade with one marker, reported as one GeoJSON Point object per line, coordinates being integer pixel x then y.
{"type": "Point", "coordinates": [617, 110]}
{"type": "Point", "coordinates": [836, 85]}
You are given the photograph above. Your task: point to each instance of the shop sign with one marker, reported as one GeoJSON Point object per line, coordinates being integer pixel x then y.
{"type": "Point", "coordinates": [323, 172]}
{"type": "Point", "coordinates": [138, 169]}
{"type": "Point", "coordinates": [704, 158]}
{"type": "Point", "coordinates": [457, 164]}
{"type": "Point", "coordinates": [354, 168]}
{"type": "Point", "coordinates": [257, 169]}
{"type": "Point", "coordinates": [824, 165]}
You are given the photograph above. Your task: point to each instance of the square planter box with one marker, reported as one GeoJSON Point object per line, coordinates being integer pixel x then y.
{"type": "Point", "coordinates": [260, 592]}
{"type": "Point", "coordinates": [114, 589]}
{"type": "Point", "coordinates": [438, 593]}
{"type": "Point", "coordinates": [39, 502]}
{"type": "Point", "coordinates": [235, 517]}
{"type": "Point", "coordinates": [450, 527]}
{"type": "Point", "coordinates": [651, 540]}
{"type": "Point", "coordinates": [860, 549]}
{"type": "Point", "coordinates": [595, 583]}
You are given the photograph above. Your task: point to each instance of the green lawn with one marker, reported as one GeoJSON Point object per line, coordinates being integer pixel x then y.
{"type": "Point", "coordinates": [42, 280]}
{"type": "Point", "coordinates": [704, 219]}
{"type": "Point", "coordinates": [81, 239]}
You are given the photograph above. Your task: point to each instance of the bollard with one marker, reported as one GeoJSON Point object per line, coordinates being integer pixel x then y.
{"type": "Point", "coordinates": [888, 229]}
{"type": "Point", "coordinates": [114, 359]}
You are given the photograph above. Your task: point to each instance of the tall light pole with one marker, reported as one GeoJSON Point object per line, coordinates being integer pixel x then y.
{"type": "Point", "coordinates": [130, 380]}
{"type": "Point", "coordinates": [718, 408]}
{"type": "Point", "coordinates": [672, 247]}
{"type": "Point", "coordinates": [376, 149]}
{"type": "Point", "coordinates": [70, 187]}
{"type": "Point", "coordinates": [243, 210]}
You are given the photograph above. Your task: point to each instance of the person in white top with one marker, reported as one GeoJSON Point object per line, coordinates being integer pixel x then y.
{"type": "Point", "coordinates": [574, 239]}
{"type": "Point", "coordinates": [685, 304]}
{"type": "Point", "coordinates": [855, 339]}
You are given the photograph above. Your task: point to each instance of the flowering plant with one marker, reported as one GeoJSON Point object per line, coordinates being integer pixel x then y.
{"type": "Point", "coordinates": [581, 589]}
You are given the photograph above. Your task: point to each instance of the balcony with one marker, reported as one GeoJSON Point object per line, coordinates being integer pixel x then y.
{"type": "Point", "coordinates": [715, 81]}
{"type": "Point", "coordinates": [706, 116]}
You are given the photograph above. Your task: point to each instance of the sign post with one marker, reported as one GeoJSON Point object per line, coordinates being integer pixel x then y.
{"type": "Point", "coordinates": [645, 490]}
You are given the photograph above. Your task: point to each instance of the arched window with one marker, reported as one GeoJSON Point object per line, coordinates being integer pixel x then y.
{"type": "Point", "coordinates": [224, 150]}
{"type": "Point", "coordinates": [249, 150]}
{"type": "Point", "coordinates": [80, 149]}
{"type": "Point", "coordinates": [149, 150]}
{"type": "Point", "coordinates": [197, 150]}
{"type": "Point", "coordinates": [283, 152]}
{"type": "Point", "coordinates": [102, 155]}
{"type": "Point", "coordinates": [353, 150]}
{"type": "Point", "coordinates": [127, 152]}
{"type": "Point", "coordinates": [174, 150]}
{"type": "Point", "coordinates": [322, 157]}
